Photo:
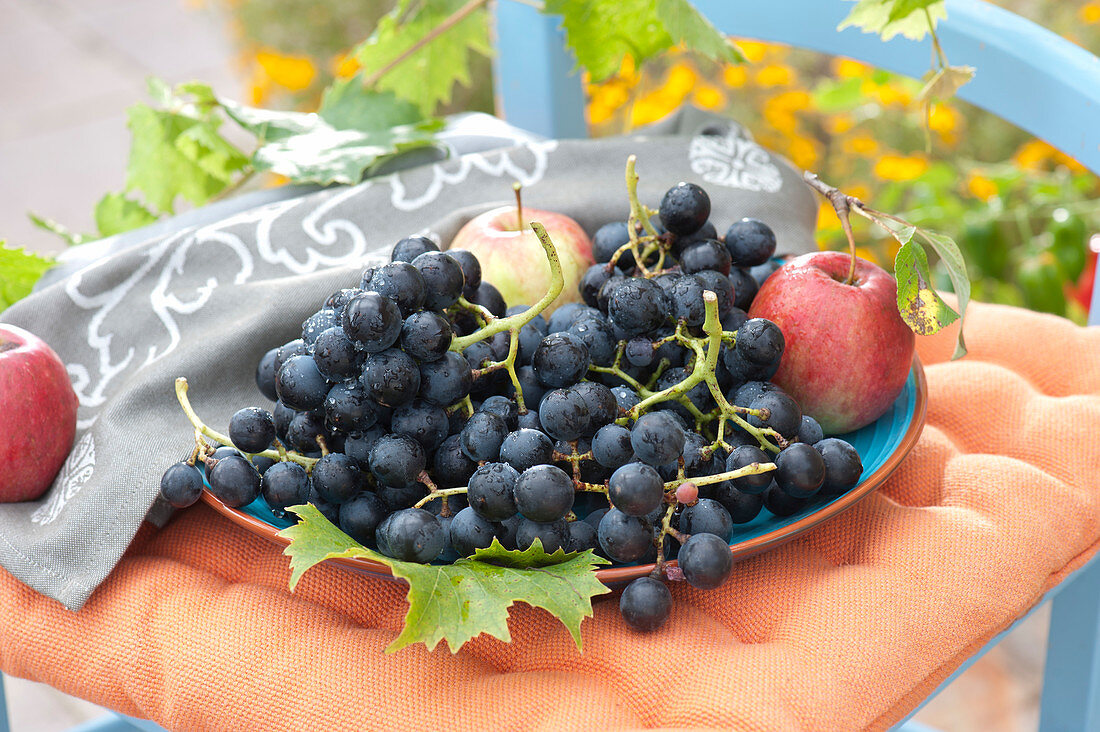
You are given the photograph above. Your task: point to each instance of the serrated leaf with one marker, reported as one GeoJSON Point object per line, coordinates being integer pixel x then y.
{"type": "Point", "coordinates": [270, 125]}
{"type": "Point", "coordinates": [602, 32]}
{"type": "Point", "coordinates": [688, 26]}
{"type": "Point", "coordinates": [900, 9]}
{"type": "Point", "coordinates": [460, 601]}
{"type": "Point", "coordinates": [945, 83]}
{"type": "Point", "coordinates": [71, 237]}
{"type": "Point", "coordinates": [206, 148]}
{"type": "Point", "coordinates": [327, 155]}
{"type": "Point", "coordinates": [160, 168]}
{"type": "Point", "coordinates": [348, 105]}
{"type": "Point", "coordinates": [19, 270]}
{"type": "Point", "coordinates": [921, 307]}
{"type": "Point", "coordinates": [952, 260]}
{"type": "Point", "coordinates": [427, 76]}
{"type": "Point", "coordinates": [115, 213]}
{"type": "Point", "coordinates": [874, 16]}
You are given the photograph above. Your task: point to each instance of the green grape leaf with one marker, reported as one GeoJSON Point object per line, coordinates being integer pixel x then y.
{"type": "Point", "coordinates": [348, 105]}
{"type": "Point", "coordinates": [212, 153]}
{"type": "Point", "coordinates": [115, 213]}
{"type": "Point", "coordinates": [951, 259]}
{"type": "Point", "coordinates": [164, 167]}
{"type": "Point", "coordinates": [427, 76]}
{"type": "Point", "coordinates": [686, 25]}
{"type": "Point", "coordinates": [602, 32]}
{"type": "Point", "coordinates": [71, 237]}
{"type": "Point", "coordinates": [270, 125]}
{"type": "Point", "coordinates": [327, 155]}
{"type": "Point", "coordinates": [19, 270]}
{"type": "Point", "coordinates": [460, 601]}
{"type": "Point", "coordinates": [945, 83]}
{"type": "Point", "coordinates": [921, 307]}
{"type": "Point", "coordinates": [901, 9]}
{"type": "Point", "coordinates": [889, 18]}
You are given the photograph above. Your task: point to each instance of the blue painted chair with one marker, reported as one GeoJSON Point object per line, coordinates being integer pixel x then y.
{"type": "Point", "coordinates": [1026, 75]}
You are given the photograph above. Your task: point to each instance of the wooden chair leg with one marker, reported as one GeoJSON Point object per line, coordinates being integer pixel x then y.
{"type": "Point", "coordinates": [1071, 679]}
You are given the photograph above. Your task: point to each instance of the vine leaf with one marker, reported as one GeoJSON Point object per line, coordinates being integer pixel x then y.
{"type": "Point", "coordinates": [72, 238]}
{"type": "Point", "coordinates": [921, 307]}
{"type": "Point", "coordinates": [427, 77]}
{"type": "Point", "coordinates": [19, 270]}
{"type": "Point", "coordinates": [686, 25]}
{"type": "Point", "coordinates": [602, 32]}
{"type": "Point", "coordinates": [355, 130]}
{"type": "Point", "coordinates": [460, 601]}
{"type": "Point", "coordinates": [348, 105]}
{"type": "Point", "coordinates": [177, 151]}
{"type": "Point", "coordinates": [952, 260]}
{"type": "Point", "coordinates": [115, 213]}
{"type": "Point", "coordinates": [945, 83]}
{"type": "Point", "coordinates": [889, 18]}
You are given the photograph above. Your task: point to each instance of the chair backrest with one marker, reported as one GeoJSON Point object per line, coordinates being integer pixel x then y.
{"type": "Point", "coordinates": [1026, 74]}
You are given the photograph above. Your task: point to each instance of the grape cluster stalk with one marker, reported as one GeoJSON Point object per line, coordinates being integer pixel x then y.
{"type": "Point", "coordinates": [427, 419]}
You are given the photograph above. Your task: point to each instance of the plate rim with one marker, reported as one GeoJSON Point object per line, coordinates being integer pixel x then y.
{"type": "Point", "coordinates": [619, 575]}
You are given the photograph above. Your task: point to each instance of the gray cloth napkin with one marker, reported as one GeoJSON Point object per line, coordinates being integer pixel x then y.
{"type": "Point", "coordinates": [206, 299]}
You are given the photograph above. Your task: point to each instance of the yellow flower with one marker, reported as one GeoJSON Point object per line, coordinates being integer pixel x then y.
{"type": "Point", "coordinates": [861, 144]}
{"type": "Point", "coordinates": [826, 217]}
{"type": "Point", "coordinates": [846, 68]}
{"type": "Point", "coordinates": [981, 187]}
{"type": "Point", "coordinates": [775, 75]}
{"type": "Point", "coordinates": [669, 96]}
{"type": "Point", "coordinates": [838, 124]}
{"type": "Point", "coordinates": [735, 76]}
{"type": "Point", "coordinates": [803, 152]}
{"type": "Point", "coordinates": [604, 99]}
{"type": "Point", "coordinates": [900, 167]}
{"type": "Point", "coordinates": [793, 101]}
{"type": "Point", "coordinates": [1089, 13]}
{"type": "Point", "coordinates": [754, 51]}
{"type": "Point", "coordinates": [943, 120]}
{"type": "Point", "coordinates": [345, 66]}
{"type": "Point", "coordinates": [889, 94]}
{"type": "Point", "coordinates": [780, 119]}
{"type": "Point", "coordinates": [290, 72]}
{"type": "Point", "coordinates": [709, 97]}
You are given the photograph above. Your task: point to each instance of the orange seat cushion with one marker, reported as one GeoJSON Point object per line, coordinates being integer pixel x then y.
{"type": "Point", "coordinates": [848, 627]}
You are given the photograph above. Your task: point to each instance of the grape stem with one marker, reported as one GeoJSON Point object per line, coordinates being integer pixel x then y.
{"type": "Point", "coordinates": [202, 429]}
{"type": "Point", "coordinates": [440, 493]}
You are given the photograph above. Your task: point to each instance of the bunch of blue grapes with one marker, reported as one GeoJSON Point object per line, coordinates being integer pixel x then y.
{"type": "Point", "coordinates": [423, 452]}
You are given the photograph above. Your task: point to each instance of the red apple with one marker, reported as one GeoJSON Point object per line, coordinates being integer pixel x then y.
{"type": "Point", "coordinates": [512, 259]}
{"type": "Point", "coordinates": [37, 415]}
{"type": "Point", "coordinates": [848, 352]}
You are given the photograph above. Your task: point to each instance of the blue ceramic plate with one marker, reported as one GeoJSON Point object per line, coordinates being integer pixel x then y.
{"type": "Point", "coordinates": [882, 445]}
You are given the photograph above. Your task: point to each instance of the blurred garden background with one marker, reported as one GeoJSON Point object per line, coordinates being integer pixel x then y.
{"type": "Point", "coordinates": [1025, 215]}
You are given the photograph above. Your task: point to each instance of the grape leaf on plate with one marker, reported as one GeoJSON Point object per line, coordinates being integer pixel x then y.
{"type": "Point", "coordinates": [19, 270]}
{"type": "Point", "coordinates": [426, 77]}
{"type": "Point", "coordinates": [460, 601]}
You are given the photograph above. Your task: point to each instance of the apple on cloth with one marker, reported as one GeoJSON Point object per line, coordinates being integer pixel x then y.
{"type": "Point", "coordinates": [37, 415]}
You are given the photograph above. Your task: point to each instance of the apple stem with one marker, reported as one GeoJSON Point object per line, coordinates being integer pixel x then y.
{"type": "Point", "coordinates": [843, 204]}
{"type": "Point", "coordinates": [202, 429]}
{"type": "Point", "coordinates": [519, 205]}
